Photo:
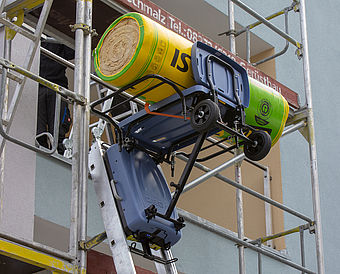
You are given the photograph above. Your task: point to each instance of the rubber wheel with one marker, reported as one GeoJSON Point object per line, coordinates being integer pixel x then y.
{"type": "Point", "coordinates": [204, 115]}
{"type": "Point", "coordinates": [261, 149]}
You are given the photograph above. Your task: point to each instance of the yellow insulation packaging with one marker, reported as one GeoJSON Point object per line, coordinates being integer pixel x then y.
{"type": "Point", "coordinates": [134, 46]}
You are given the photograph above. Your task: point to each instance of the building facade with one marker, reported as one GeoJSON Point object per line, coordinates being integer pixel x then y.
{"type": "Point", "coordinates": [36, 201]}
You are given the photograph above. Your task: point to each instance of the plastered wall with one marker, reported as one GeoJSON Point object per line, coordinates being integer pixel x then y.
{"type": "Point", "coordinates": [18, 181]}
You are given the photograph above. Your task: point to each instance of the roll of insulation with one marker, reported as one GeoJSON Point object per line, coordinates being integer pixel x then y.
{"type": "Point", "coordinates": [268, 110]}
{"type": "Point", "coordinates": [134, 46]}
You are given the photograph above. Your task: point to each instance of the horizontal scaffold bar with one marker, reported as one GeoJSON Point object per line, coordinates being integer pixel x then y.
{"type": "Point", "coordinates": [281, 234]}
{"type": "Point", "coordinates": [267, 23]}
{"type": "Point", "coordinates": [58, 89]}
{"type": "Point", "coordinates": [225, 233]}
{"type": "Point", "coordinates": [34, 257]}
{"type": "Point", "coordinates": [249, 191]}
{"type": "Point", "coordinates": [93, 77]}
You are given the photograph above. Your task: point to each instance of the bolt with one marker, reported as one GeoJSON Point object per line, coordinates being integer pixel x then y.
{"type": "Point", "coordinates": [201, 114]}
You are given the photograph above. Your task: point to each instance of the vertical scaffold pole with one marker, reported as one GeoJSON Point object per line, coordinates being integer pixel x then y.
{"type": "Point", "coordinates": [7, 46]}
{"type": "Point", "coordinates": [84, 146]}
{"type": "Point", "coordinates": [77, 199]}
{"type": "Point", "coordinates": [267, 207]}
{"type": "Point", "coordinates": [238, 177]}
{"type": "Point", "coordinates": [231, 16]}
{"type": "Point", "coordinates": [312, 143]}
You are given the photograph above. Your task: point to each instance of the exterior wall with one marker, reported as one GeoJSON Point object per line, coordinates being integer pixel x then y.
{"type": "Point", "coordinates": [275, 169]}
{"type": "Point", "coordinates": [17, 185]}
{"type": "Point", "coordinates": [53, 180]}
{"type": "Point", "coordinates": [199, 13]}
{"type": "Point", "coordinates": [324, 55]}
{"type": "Point", "coordinates": [202, 251]}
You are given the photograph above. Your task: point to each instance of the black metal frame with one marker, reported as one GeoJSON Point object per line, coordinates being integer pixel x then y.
{"type": "Point", "coordinates": [239, 122]}
{"type": "Point", "coordinates": [130, 144]}
{"type": "Point", "coordinates": [218, 153]}
{"type": "Point", "coordinates": [103, 114]}
{"type": "Point", "coordinates": [186, 172]}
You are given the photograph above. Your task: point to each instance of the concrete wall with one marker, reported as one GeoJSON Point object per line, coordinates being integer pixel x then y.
{"type": "Point", "coordinates": [210, 21]}
{"type": "Point", "coordinates": [324, 57]}
{"type": "Point", "coordinates": [202, 251]}
{"type": "Point", "coordinates": [17, 186]}
{"type": "Point", "coordinates": [53, 195]}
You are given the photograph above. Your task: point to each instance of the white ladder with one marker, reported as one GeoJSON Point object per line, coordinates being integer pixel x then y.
{"type": "Point", "coordinates": [101, 124]}
{"type": "Point", "coordinates": [99, 127]}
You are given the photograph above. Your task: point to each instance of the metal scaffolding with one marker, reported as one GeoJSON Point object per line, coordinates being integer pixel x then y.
{"type": "Point", "coordinates": [74, 261]}
{"type": "Point", "coordinates": [307, 120]}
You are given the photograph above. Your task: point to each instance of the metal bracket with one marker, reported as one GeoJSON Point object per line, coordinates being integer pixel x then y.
{"type": "Point", "coordinates": [228, 33]}
{"type": "Point", "coordinates": [86, 28]}
{"type": "Point", "coordinates": [296, 5]}
{"type": "Point", "coordinates": [298, 116]}
{"type": "Point", "coordinates": [114, 191]}
{"type": "Point", "coordinates": [12, 76]}
{"type": "Point", "coordinates": [151, 257]}
{"type": "Point", "coordinates": [96, 132]}
{"type": "Point", "coordinates": [298, 121]}
{"type": "Point", "coordinates": [68, 144]}
{"type": "Point", "coordinates": [312, 228]}
{"type": "Point", "coordinates": [96, 240]}
{"type": "Point", "coordinates": [254, 242]}
{"type": "Point", "coordinates": [299, 52]}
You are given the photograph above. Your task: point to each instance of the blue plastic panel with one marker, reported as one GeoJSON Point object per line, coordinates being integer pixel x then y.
{"type": "Point", "coordinates": [141, 183]}
{"type": "Point", "coordinates": [222, 76]}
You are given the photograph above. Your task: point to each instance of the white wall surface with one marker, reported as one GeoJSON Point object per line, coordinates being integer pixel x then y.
{"type": "Point", "coordinates": [324, 51]}
{"type": "Point", "coordinates": [18, 185]}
